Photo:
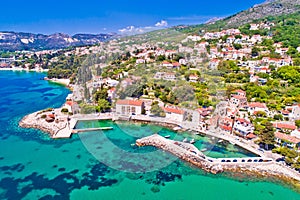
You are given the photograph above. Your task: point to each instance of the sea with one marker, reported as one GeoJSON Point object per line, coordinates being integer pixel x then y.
{"type": "Point", "coordinates": [106, 164]}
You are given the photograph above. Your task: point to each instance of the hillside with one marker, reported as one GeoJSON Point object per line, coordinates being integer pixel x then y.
{"type": "Point", "coordinates": [259, 11]}
{"type": "Point", "coordinates": [12, 41]}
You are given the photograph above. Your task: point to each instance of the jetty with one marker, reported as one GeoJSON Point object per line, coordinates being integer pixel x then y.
{"type": "Point", "coordinates": [188, 152]}
{"type": "Point", "coordinates": [91, 129]}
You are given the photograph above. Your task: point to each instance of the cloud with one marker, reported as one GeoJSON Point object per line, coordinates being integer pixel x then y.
{"type": "Point", "coordinates": [132, 30]}
{"type": "Point", "coordinates": [162, 23]}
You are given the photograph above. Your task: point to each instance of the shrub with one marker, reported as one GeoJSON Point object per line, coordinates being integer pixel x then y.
{"type": "Point", "coordinates": [64, 110]}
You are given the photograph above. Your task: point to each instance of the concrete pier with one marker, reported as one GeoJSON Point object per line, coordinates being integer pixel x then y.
{"type": "Point", "coordinates": [254, 165]}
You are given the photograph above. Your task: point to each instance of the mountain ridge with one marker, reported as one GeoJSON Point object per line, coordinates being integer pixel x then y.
{"type": "Point", "coordinates": [13, 41]}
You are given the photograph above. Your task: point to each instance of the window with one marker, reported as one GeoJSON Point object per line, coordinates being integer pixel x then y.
{"type": "Point", "coordinates": [133, 110]}
{"type": "Point", "coordinates": [128, 109]}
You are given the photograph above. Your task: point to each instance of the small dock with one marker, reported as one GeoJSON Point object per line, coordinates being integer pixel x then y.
{"type": "Point", "coordinates": [91, 129]}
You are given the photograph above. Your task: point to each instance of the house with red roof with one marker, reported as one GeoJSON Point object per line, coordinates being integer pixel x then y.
{"type": "Point", "coordinates": [226, 124]}
{"type": "Point", "coordinates": [238, 101]}
{"type": "Point", "coordinates": [286, 139]}
{"type": "Point", "coordinates": [286, 127]}
{"type": "Point", "coordinates": [167, 64]}
{"type": "Point", "coordinates": [176, 65]}
{"type": "Point", "coordinates": [112, 93]}
{"type": "Point", "coordinates": [130, 107]}
{"type": "Point", "coordinates": [243, 127]}
{"type": "Point", "coordinates": [254, 107]}
{"type": "Point", "coordinates": [174, 113]}
{"type": "Point", "coordinates": [69, 105]}
{"type": "Point", "coordinates": [240, 93]}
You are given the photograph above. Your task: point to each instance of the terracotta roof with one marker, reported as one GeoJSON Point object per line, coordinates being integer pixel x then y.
{"type": "Point", "coordinates": [285, 112]}
{"type": "Point", "coordinates": [130, 102]}
{"type": "Point", "coordinates": [286, 137]}
{"type": "Point", "coordinates": [70, 103]}
{"type": "Point", "coordinates": [238, 97]}
{"type": "Point", "coordinates": [112, 90]}
{"type": "Point", "coordinates": [51, 116]}
{"type": "Point", "coordinates": [239, 91]}
{"type": "Point", "coordinates": [284, 126]}
{"type": "Point", "coordinates": [257, 105]}
{"type": "Point", "coordinates": [173, 110]}
{"type": "Point", "coordinates": [251, 136]}
{"type": "Point", "coordinates": [227, 128]}
{"type": "Point", "coordinates": [242, 120]}
{"type": "Point", "coordinates": [177, 64]}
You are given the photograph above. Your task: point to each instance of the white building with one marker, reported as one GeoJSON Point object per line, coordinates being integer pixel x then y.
{"type": "Point", "coordinates": [174, 114]}
{"type": "Point", "coordinates": [129, 107]}
{"type": "Point", "coordinates": [254, 107]}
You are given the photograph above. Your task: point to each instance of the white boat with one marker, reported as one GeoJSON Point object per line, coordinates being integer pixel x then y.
{"type": "Point", "coordinates": [192, 141]}
{"type": "Point", "coordinates": [185, 140]}
{"type": "Point", "coordinates": [176, 128]}
{"type": "Point", "coordinates": [167, 136]}
{"type": "Point", "coordinates": [219, 141]}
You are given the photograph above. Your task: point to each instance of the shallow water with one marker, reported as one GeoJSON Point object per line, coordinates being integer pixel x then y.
{"type": "Point", "coordinates": [102, 165]}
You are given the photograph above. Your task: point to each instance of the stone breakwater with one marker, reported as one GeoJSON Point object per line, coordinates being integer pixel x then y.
{"type": "Point", "coordinates": [189, 153]}
{"type": "Point", "coordinates": [182, 150]}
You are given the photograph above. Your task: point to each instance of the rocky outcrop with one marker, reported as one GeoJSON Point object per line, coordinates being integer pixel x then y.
{"type": "Point", "coordinates": [268, 8]}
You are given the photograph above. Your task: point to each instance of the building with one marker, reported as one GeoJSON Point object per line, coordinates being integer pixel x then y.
{"type": "Point", "coordinates": [255, 107]}
{"type": "Point", "coordinates": [238, 101]}
{"type": "Point", "coordinates": [213, 64]}
{"type": "Point", "coordinates": [130, 107]}
{"type": "Point", "coordinates": [286, 140]}
{"type": "Point", "coordinates": [112, 93]}
{"type": "Point", "coordinates": [243, 127]}
{"type": "Point", "coordinates": [295, 114]}
{"type": "Point", "coordinates": [285, 127]}
{"type": "Point", "coordinates": [174, 113]}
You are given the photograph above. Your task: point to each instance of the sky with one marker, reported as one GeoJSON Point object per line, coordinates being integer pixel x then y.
{"type": "Point", "coordinates": [123, 17]}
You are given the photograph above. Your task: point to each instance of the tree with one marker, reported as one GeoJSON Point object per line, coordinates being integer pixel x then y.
{"type": "Point", "coordinates": [101, 94]}
{"type": "Point", "coordinates": [87, 109]}
{"type": "Point", "coordinates": [267, 137]}
{"type": "Point", "coordinates": [156, 110]}
{"type": "Point", "coordinates": [103, 105]}
{"type": "Point", "coordinates": [296, 61]}
{"type": "Point", "coordinates": [255, 51]}
{"type": "Point", "coordinates": [278, 117]}
{"type": "Point", "coordinates": [237, 46]}
{"type": "Point", "coordinates": [297, 122]}
{"type": "Point", "coordinates": [184, 93]}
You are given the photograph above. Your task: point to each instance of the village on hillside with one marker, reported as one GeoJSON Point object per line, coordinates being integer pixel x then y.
{"type": "Point", "coordinates": [251, 76]}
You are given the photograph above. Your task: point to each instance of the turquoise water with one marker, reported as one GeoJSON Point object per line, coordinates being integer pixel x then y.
{"type": "Point", "coordinates": [102, 165]}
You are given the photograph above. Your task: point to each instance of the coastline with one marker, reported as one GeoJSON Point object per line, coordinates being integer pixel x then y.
{"type": "Point", "coordinates": [267, 170]}
{"type": "Point", "coordinates": [64, 82]}
{"type": "Point", "coordinates": [22, 69]}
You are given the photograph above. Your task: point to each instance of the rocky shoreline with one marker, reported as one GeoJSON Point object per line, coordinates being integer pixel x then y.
{"type": "Point", "coordinates": [37, 121]}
